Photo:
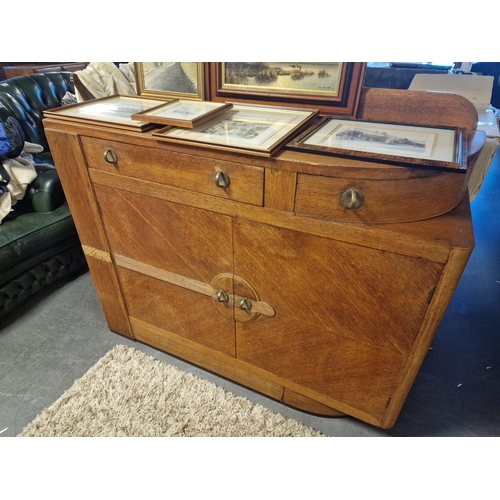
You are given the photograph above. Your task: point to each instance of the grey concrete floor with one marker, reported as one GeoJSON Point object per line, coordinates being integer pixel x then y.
{"type": "Point", "coordinates": [58, 336]}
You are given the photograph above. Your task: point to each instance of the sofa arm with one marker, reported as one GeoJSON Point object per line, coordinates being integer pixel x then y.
{"type": "Point", "coordinates": [46, 193]}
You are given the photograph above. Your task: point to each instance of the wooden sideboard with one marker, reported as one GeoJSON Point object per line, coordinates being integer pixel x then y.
{"type": "Point", "coordinates": [268, 280]}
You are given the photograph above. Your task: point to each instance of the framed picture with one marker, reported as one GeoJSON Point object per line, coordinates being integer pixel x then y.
{"type": "Point", "coordinates": [403, 144]}
{"type": "Point", "coordinates": [332, 87]}
{"type": "Point", "coordinates": [183, 113]}
{"type": "Point", "coordinates": [171, 79]}
{"type": "Point", "coordinates": [116, 111]}
{"type": "Point", "coordinates": [256, 130]}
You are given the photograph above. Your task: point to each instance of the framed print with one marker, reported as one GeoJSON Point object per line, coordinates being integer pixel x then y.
{"type": "Point", "coordinates": [183, 113]}
{"type": "Point", "coordinates": [403, 144]}
{"type": "Point", "coordinates": [170, 79]}
{"type": "Point", "coordinates": [257, 130]}
{"type": "Point", "coordinates": [332, 87]}
{"type": "Point", "coordinates": [115, 111]}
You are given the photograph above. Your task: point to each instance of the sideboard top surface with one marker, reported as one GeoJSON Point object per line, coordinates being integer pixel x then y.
{"type": "Point", "coordinates": [450, 230]}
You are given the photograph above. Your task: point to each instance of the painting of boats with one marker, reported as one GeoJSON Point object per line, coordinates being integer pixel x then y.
{"type": "Point", "coordinates": [322, 78]}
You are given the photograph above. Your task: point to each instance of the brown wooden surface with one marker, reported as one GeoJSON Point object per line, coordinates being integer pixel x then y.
{"type": "Point", "coordinates": [181, 311]}
{"type": "Point", "coordinates": [241, 372]}
{"type": "Point", "coordinates": [285, 160]}
{"type": "Point", "coordinates": [355, 305]}
{"type": "Point", "coordinates": [435, 312]}
{"type": "Point", "coordinates": [20, 69]}
{"type": "Point", "coordinates": [404, 200]}
{"type": "Point", "coordinates": [417, 107]}
{"type": "Point", "coordinates": [182, 171]}
{"type": "Point", "coordinates": [110, 295]}
{"type": "Point", "coordinates": [430, 239]}
{"type": "Point", "coordinates": [235, 287]}
{"type": "Point", "coordinates": [79, 193]}
{"type": "Point", "coordinates": [297, 400]}
{"type": "Point", "coordinates": [187, 241]}
{"type": "Point", "coordinates": [210, 359]}
{"type": "Point", "coordinates": [348, 299]}
{"type": "Point", "coordinates": [280, 189]}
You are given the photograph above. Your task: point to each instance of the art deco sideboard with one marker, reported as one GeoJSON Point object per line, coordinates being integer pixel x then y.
{"type": "Point", "coordinates": [254, 269]}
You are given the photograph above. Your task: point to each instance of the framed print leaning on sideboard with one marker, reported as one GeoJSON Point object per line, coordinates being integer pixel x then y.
{"type": "Point", "coordinates": [245, 128]}
{"type": "Point", "coordinates": [169, 80]}
{"type": "Point", "coordinates": [439, 147]}
{"type": "Point", "coordinates": [330, 87]}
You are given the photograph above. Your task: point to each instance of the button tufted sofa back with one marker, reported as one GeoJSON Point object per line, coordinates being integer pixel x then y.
{"type": "Point", "coordinates": [27, 97]}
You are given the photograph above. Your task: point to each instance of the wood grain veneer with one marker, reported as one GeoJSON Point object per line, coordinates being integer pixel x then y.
{"type": "Point", "coordinates": [341, 305]}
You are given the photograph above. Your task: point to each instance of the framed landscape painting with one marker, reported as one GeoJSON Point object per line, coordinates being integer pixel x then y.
{"type": "Point", "coordinates": [115, 111]}
{"type": "Point", "coordinates": [182, 113]}
{"type": "Point", "coordinates": [329, 86]}
{"type": "Point", "coordinates": [170, 79]}
{"type": "Point", "coordinates": [245, 128]}
{"type": "Point", "coordinates": [404, 144]}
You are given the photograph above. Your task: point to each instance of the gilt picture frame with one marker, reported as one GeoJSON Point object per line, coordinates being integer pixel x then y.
{"type": "Point", "coordinates": [331, 87]}
{"type": "Point", "coordinates": [251, 129]}
{"type": "Point", "coordinates": [440, 147]}
{"type": "Point", "coordinates": [115, 111]}
{"type": "Point", "coordinates": [169, 80]}
{"type": "Point", "coordinates": [183, 113]}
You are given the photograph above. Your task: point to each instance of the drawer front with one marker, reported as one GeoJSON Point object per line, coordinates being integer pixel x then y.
{"type": "Point", "coordinates": [246, 183]}
{"type": "Point", "coordinates": [379, 201]}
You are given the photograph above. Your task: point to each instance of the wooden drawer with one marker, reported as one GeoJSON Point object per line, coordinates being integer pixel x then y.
{"type": "Point", "coordinates": [396, 200]}
{"type": "Point", "coordinates": [246, 183]}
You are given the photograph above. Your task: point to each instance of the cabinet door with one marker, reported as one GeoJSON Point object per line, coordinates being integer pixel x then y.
{"type": "Point", "coordinates": [346, 315]}
{"type": "Point", "coordinates": [151, 239]}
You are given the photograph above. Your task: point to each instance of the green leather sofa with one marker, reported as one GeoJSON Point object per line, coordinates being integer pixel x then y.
{"type": "Point", "coordinates": [38, 240]}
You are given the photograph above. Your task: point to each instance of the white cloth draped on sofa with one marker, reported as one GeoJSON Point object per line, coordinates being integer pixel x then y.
{"type": "Point", "coordinates": [22, 172]}
{"type": "Point", "coordinates": [103, 79]}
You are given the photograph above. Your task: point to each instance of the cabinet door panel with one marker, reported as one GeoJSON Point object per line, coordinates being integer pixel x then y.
{"type": "Point", "coordinates": [180, 239]}
{"type": "Point", "coordinates": [178, 310]}
{"type": "Point", "coordinates": [188, 242]}
{"type": "Point", "coordinates": [346, 316]}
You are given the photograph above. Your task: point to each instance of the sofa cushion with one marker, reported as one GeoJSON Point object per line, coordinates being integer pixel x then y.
{"type": "Point", "coordinates": [39, 272]}
{"type": "Point", "coordinates": [38, 240]}
{"type": "Point", "coordinates": [30, 233]}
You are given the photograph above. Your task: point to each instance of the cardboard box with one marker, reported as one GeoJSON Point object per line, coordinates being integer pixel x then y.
{"type": "Point", "coordinates": [476, 89]}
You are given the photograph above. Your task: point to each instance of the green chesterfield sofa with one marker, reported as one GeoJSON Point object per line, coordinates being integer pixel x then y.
{"type": "Point", "coordinates": [38, 240]}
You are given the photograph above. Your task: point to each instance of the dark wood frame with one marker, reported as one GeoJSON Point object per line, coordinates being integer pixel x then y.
{"type": "Point", "coordinates": [344, 104]}
{"type": "Point", "coordinates": [460, 148]}
{"type": "Point", "coordinates": [199, 120]}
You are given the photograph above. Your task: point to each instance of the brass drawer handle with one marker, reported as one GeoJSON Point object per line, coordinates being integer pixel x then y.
{"type": "Point", "coordinates": [245, 304]}
{"type": "Point", "coordinates": [222, 296]}
{"type": "Point", "coordinates": [352, 198]}
{"type": "Point", "coordinates": [110, 156]}
{"type": "Point", "coordinates": [221, 179]}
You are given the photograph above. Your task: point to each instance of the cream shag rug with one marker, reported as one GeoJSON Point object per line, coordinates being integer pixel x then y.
{"type": "Point", "coordinates": [128, 393]}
